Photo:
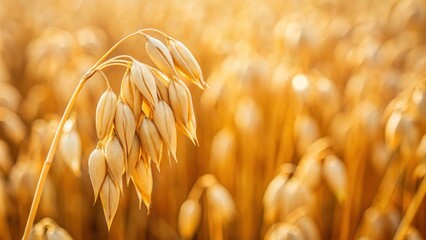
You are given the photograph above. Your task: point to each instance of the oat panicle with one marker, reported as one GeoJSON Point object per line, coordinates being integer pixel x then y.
{"type": "Point", "coordinates": [133, 128]}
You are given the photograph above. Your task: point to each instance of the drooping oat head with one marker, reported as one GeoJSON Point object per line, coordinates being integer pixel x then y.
{"type": "Point", "coordinates": [134, 127]}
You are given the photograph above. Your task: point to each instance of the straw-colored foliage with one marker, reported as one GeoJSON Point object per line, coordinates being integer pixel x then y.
{"type": "Point", "coordinates": [213, 119]}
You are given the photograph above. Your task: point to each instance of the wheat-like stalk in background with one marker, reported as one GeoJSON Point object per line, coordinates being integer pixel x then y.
{"type": "Point", "coordinates": [220, 209]}
{"type": "Point", "coordinates": [314, 121]}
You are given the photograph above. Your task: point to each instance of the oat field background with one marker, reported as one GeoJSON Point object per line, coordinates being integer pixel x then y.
{"type": "Point", "coordinates": [311, 122]}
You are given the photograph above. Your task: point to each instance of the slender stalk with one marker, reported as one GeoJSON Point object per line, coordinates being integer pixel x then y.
{"type": "Point", "coordinates": [49, 158]}
{"type": "Point", "coordinates": [115, 60]}
{"type": "Point", "coordinates": [157, 31]}
{"type": "Point", "coordinates": [202, 183]}
{"type": "Point", "coordinates": [113, 64]}
{"type": "Point", "coordinates": [105, 78]}
{"type": "Point", "coordinates": [347, 215]}
{"type": "Point", "coordinates": [92, 70]}
{"type": "Point", "coordinates": [411, 211]}
{"type": "Point", "coordinates": [122, 57]}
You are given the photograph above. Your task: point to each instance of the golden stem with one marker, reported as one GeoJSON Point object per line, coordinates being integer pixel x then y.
{"type": "Point", "coordinates": [105, 78]}
{"type": "Point", "coordinates": [122, 57]}
{"type": "Point", "coordinates": [199, 186]}
{"type": "Point", "coordinates": [113, 60]}
{"type": "Point", "coordinates": [411, 211]}
{"type": "Point", "coordinates": [157, 31]}
{"type": "Point", "coordinates": [103, 66]}
{"type": "Point", "coordinates": [55, 141]}
{"type": "Point", "coordinates": [91, 71]}
{"type": "Point", "coordinates": [49, 158]}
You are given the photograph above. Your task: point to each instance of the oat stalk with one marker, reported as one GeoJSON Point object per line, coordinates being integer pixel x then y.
{"type": "Point", "coordinates": [48, 161]}
{"type": "Point", "coordinates": [49, 158]}
{"type": "Point", "coordinates": [411, 211]}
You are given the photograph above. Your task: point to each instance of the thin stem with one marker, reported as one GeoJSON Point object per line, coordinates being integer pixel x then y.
{"type": "Point", "coordinates": [389, 183]}
{"type": "Point", "coordinates": [48, 161]}
{"type": "Point", "coordinates": [105, 78]}
{"type": "Point", "coordinates": [112, 64]}
{"type": "Point", "coordinates": [121, 57]}
{"type": "Point", "coordinates": [157, 31]}
{"type": "Point", "coordinates": [199, 186]}
{"type": "Point", "coordinates": [55, 141]}
{"type": "Point", "coordinates": [411, 211]}
{"type": "Point", "coordinates": [117, 61]}
{"type": "Point", "coordinates": [91, 71]}
{"type": "Point", "coordinates": [111, 61]}
{"type": "Point", "coordinates": [347, 213]}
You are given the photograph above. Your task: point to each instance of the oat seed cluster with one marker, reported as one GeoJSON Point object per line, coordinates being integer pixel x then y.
{"type": "Point", "coordinates": [137, 126]}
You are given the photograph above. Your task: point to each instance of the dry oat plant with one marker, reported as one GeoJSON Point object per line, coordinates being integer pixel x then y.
{"type": "Point", "coordinates": [132, 128]}
{"type": "Point", "coordinates": [290, 119]}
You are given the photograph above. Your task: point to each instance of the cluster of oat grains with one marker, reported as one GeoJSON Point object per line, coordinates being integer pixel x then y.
{"type": "Point", "coordinates": [134, 127]}
{"type": "Point", "coordinates": [313, 126]}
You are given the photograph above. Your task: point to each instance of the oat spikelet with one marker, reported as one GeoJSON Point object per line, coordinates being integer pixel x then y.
{"type": "Point", "coordinates": [189, 218]}
{"type": "Point", "coordinates": [131, 95]}
{"type": "Point", "coordinates": [308, 227]}
{"type": "Point", "coordinates": [309, 171]}
{"type": "Point", "coordinates": [185, 62]}
{"type": "Point", "coordinates": [221, 202]}
{"type": "Point", "coordinates": [70, 147]}
{"type": "Point", "coordinates": [160, 55]}
{"type": "Point", "coordinates": [146, 108]}
{"type": "Point", "coordinates": [419, 101]}
{"type": "Point", "coordinates": [165, 122]}
{"type": "Point", "coordinates": [125, 125]}
{"type": "Point", "coordinates": [183, 109]}
{"type": "Point", "coordinates": [105, 112]}
{"type": "Point", "coordinates": [392, 130]}
{"type": "Point", "coordinates": [49, 230]}
{"type": "Point", "coordinates": [283, 231]}
{"type": "Point", "coordinates": [272, 192]}
{"type": "Point", "coordinates": [12, 125]}
{"type": "Point", "coordinates": [142, 179]}
{"type": "Point", "coordinates": [270, 197]}
{"type": "Point", "coordinates": [151, 140]}
{"type": "Point", "coordinates": [114, 155]}
{"type": "Point", "coordinates": [144, 81]}
{"type": "Point", "coordinates": [292, 195]}
{"type": "Point", "coordinates": [162, 85]}
{"type": "Point", "coordinates": [334, 173]}
{"type": "Point", "coordinates": [133, 157]}
{"type": "Point", "coordinates": [110, 197]}
{"type": "Point", "coordinates": [97, 170]}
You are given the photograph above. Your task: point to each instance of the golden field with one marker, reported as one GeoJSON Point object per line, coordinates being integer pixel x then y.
{"type": "Point", "coordinates": [307, 119]}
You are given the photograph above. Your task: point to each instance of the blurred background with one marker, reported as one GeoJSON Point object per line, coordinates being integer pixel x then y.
{"type": "Point", "coordinates": [314, 122]}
